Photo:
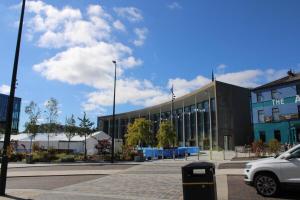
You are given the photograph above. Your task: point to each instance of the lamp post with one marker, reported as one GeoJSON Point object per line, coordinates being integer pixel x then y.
{"type": "Point", "coordinates": [113, 119]}
{"type": "Point", "coordinates": [10, 107]}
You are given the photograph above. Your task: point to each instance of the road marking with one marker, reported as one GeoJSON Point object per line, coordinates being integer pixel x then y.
{"type": "Point", "coordinates": [222, 187]}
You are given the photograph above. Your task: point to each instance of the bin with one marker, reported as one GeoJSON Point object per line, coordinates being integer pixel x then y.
{"type": "Point", "coordinates": [198, 181]}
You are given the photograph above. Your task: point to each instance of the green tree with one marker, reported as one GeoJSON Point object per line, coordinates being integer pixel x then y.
{"type": "Point", "coordinates": [70, 129]}
{"type": "Point", "coordinates": [138, 133]}
{"type": "Point", "coordinates": [86, 129]}
{"type": "Point", "coordinates": [31, 126]}
{"type": "Point", "coordinates": [166, 135]}
{"type": "Point", "coordinates": [51, 116]}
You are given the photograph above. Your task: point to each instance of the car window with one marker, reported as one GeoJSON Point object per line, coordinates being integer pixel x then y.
{"type": "Point", "coordinates": [296, 153]}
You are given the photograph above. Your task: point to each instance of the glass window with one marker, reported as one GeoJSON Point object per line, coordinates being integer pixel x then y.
{"type": "Point", "coordinates": [274, 94]}
{"type": "Point", "coordinates": [259, 96]}
{"type": "Point", "coordinates": [296, 153]}
{"type": "Point", "coordinates": [262, 136]}
{"type": "Point", "coordinates": [261, 116]}
{"type": "Point", "coordinates": [298, 89]}
{"type": "Point", "coordinates": [275, 114]}
{"type": "Point", "coordinates": [277, 135]}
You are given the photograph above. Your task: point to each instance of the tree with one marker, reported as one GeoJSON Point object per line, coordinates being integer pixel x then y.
{"type": "Point", "coordinates": [166, 135]}
{"type": "Point", "coordinates": [85, 130]}
{"type": "Point", "coordinates": [70, 129]}
{"type": "Point", "coordinates": [31, 127]}
{"type": "Point", "coordinates": [51, 116]}
{"type": "Point", "coordinates": [139, 133]}
{"type": "Point", "coordinates": [103, 146]}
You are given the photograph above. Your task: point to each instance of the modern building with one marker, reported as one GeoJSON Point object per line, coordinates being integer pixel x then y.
{"type": "Point", "coordinates": [276, 110]}
{"type": "Point", "coordinates": [16, 112]}
{"type": "Point", "coordinates": [217, 114]}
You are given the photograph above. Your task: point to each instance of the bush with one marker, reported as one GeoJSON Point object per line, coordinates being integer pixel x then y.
{"type": "Point", "coordinates": [67, 158]}
{"type": "Point", "coordinates": [274, 146]}
{"type": "Point", "coordinates": [205, 143]}
{"type": "Point", "coordinates": [36, 147]}
{"type": "Point", "coordinates": [44, 156]}
{"type": "Point", "coordinates": [258, 147]}
{"type": "Point", "coordinates": [128, 153]}
{"type": "Point", "coordinates": [15, 157]}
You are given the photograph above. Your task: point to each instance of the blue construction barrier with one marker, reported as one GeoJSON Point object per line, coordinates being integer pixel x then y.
{"type": "Point", "coordinates": [155, 153]}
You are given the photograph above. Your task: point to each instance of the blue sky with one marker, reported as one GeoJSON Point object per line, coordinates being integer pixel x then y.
{"type": "Point", "coordinates": [68, 46]}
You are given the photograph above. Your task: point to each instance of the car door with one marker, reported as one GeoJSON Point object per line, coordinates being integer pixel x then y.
{"type": "Point", "coordinates": [290, 169]}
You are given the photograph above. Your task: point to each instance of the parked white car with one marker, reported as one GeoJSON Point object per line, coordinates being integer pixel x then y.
{"type": "Point", "coordinates": [270, 174]}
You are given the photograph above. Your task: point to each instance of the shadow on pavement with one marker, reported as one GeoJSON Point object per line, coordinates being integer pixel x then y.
{"type": "Point", "coordinates": [15, 198]}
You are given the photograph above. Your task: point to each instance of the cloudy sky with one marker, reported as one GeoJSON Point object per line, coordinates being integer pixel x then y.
{"type": "Point", "coordinates": [68, 47]}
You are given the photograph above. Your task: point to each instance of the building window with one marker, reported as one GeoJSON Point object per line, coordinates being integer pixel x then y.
{"type": "Point", "coordinates": [261, 116]}
{"type": "Point", "coordinates": [274, 94]}
{"type": "Point", "coordinates": [259, 97]}
{"type": "Point", "coordinates": [277, 135]}
{"type": "Point", "coordinates": [275, 114]}
{"type": "Point", "coordinates": [262, 136]}
{"type": "Point", "coordinates": [298, 89]}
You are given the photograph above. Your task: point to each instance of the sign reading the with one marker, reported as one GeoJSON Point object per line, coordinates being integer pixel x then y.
{"type": "Point", "coordinates": [282, 101]}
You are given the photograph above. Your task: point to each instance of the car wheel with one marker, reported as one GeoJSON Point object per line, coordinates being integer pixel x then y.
{"type": "Point", "coordinates": [266, 185]}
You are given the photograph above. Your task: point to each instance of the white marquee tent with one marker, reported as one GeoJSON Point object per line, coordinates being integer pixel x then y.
{"type": "Point", "coordinates": [60, 141]}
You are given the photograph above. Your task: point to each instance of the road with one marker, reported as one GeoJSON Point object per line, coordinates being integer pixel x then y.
{"type": "Point", "coordinates": [238, 190]}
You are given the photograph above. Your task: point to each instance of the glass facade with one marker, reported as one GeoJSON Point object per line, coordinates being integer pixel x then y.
{"type": "Point", "coordinates": [16, 112]}
{"type": "Point", "coordinates": [275, 113]}
{"type": "Point", "coordinates": [191, 122]}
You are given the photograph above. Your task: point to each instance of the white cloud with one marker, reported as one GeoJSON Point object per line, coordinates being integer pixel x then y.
{"type": "Point", "coordinates": [130, 13]}
{"type": "Point", "coordinates": [247, 78]}
{"type": "Point", "coordinates": [4, 89]}
{"type": "Point", "coordinates": [174, 5]}
{"type": "Point", "coordinates": [141, 36]}
{"type": "Point", "coordinates": [119, 25]}
{"type": "Point", "coordinates": [183, 86]}
{"type": "Point", "coordinates": [88, 65]}
{"type": "Point", "coordinates": [66, 27]}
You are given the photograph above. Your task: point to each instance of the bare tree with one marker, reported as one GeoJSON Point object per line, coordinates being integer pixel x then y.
{"type": "Point", "coordinates": [70, 129]}
{"type": "Point", "coordinates": [31, 126]}
{"type": "Point", "coordinates": [51, 116]}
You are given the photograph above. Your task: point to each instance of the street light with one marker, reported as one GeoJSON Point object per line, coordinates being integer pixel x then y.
{"type": "Point", "coordinates": [113, 120]}
{"type": "Point", "coordinates": [10, 106]}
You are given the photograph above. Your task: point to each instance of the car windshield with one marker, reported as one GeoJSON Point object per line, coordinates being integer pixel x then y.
{"type": "Point", "coordinates": [284, 154]}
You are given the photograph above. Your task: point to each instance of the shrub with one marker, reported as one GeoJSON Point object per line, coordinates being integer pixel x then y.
{"type": "Point", "coordinates": [128, 153]}
{"type": "Point", "coordinates": [258, 147]}
{"type": "Point", "coordinates": [44, 156]}
{"type": "Point", "coordinates": [36, 147]}
{"type": "Point", "coordinates": [274, 146]}
{"type": "Point", "coordinates": [67, 158]}
{"type": "Point", "coordinates": [205, 143]}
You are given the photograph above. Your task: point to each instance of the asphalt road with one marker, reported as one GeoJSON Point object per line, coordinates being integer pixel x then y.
{"type": "Point", "coordinates": [238, 190]}
{"type": "Point", "coordinates": [47, 183]}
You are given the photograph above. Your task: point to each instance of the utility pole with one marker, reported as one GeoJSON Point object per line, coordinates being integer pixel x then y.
{"type": "Point", "coordinates": [113, 119]}
{"type": "Point", "coordinates": [10, 107]}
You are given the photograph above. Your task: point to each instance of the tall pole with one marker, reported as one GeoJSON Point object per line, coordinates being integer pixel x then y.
{"type": "Point", "coordinates": [10, 107]}
{"type": "Point", "coordinates": [113, 119]}
{"type": "Point", "coordinates": [210, 127]}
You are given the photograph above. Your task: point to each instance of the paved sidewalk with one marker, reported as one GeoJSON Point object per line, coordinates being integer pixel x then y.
{"type": "Point", "coordinates": [60, 173]}
{"type": "Point", "coordinates": [148, 181]}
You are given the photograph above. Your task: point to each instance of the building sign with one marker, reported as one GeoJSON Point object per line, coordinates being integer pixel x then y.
{"type": "Point", "coordinates": [277, 102]}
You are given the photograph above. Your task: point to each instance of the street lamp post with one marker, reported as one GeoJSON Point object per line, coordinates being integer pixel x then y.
{"type": "Point", "coordinates": [113, 119]}
{"type": "Point", "coordinates": [10, 106]}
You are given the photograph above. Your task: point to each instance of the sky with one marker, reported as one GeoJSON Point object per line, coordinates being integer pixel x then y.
{"type": "Point", "coordinates": [68, 47]}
